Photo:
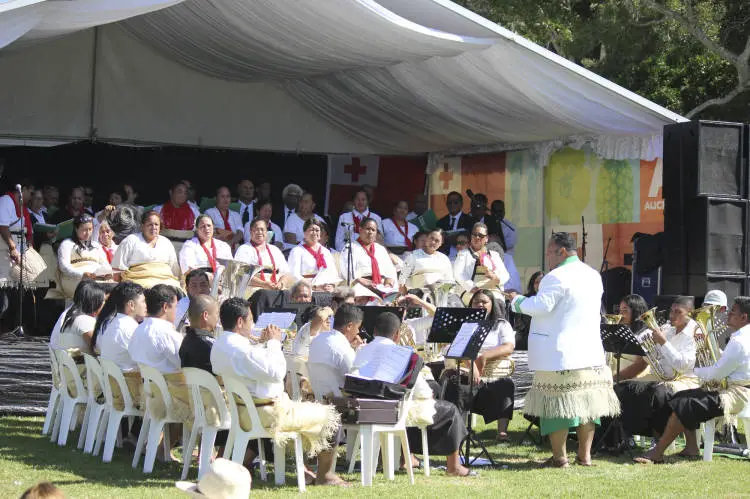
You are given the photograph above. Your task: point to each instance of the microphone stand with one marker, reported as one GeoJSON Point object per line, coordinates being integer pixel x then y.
{"type": "Point", "coordinates": [583, 244]}
{"type": "Point", "coordinates": [602, 270]}
{"type": "Point", "coordinates": [349, 256]}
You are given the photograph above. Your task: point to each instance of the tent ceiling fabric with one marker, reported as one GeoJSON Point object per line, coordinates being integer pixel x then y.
{"type": "Point", "coordinates": [368, 76]}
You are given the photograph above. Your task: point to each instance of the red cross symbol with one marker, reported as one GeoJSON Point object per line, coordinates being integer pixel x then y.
{"type": "Point", "coordinates": [446, 176]}
{"type": "Point", "coordinates": [355, 169]}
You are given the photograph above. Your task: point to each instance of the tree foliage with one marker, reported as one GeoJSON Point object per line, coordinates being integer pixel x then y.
{"type": "Point", "coordinates": [690, 56]}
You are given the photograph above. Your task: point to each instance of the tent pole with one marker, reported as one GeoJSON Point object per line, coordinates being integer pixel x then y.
{"type": "Point", "coordinates": [92, 104]}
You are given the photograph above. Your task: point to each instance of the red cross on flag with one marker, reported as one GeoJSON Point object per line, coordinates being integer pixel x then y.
{"type": "Point", "coordinates": [392, 178]}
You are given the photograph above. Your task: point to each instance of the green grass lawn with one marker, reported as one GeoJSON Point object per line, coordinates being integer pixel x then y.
{"type": "Point", "coordinates": [26, 458]}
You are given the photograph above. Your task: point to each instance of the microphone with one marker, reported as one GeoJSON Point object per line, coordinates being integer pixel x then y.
{"type": "Point", "coordinates": [20, 194]}
{"type": "Point", "coordinates": [470, 193]}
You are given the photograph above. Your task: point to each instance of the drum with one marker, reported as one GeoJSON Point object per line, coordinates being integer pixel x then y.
{"type": "Point", "coordinates": [33, 267]}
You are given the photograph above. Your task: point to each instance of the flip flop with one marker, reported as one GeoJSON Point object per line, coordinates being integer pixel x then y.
{"type": "Point", "coordinates": [554, 463]}
{"type": "Point", "coordinates": [689, 457]}
{"type": "Point", "coordinates": [647, 460]}
{"type": "Point", "coordinates": [467, 474]}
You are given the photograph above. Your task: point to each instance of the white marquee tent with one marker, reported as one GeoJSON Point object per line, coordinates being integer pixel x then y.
{"type": "Point", "coordinates": [325, 76]}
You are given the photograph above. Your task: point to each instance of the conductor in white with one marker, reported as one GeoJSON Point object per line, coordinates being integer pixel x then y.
{"type": "Point", "coordinates": [571, 387]}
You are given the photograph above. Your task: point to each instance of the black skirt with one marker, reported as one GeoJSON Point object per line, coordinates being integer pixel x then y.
{"type": "Point", "coordinates": [696, 406]}
{"type": "Point", "coordinates": [492, 401]}
{"type": "Point", "coordinates": [645, 408]}
{"type": "Point", "coordinates": [444, 435]}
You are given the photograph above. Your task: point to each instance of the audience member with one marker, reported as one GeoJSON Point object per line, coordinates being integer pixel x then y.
{"type": "Point", "coordinates": [228, 225]}
{"type": "Point", "coordinates": [177, 213]}
{"type": "Point", "coordinates": [246, 199]}
{"type": "Point", "coordinates": [352, 220]}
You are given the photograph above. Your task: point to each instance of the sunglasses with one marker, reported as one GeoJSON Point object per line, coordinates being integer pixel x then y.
{"type": "Point", "coordinates": [478, 235]}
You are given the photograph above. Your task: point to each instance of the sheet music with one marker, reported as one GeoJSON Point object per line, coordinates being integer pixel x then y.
{"type": "Point", "coordinates": [387, 364]}
{"type": "Point", "coordinates": [463, 337]}
{"type": "Point", "coordinates": [282, 320]}
{"type": "Point", "coordinates": [386, 289]}
{"type": "Point", "coordinates": [323, 277]}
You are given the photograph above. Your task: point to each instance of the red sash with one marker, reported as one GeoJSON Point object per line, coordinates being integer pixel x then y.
{"type": "Point", "coordinates": [225, 219]}
{"type": "Point", "coordinates": [110, 253]}
{"type": "Point", "coordinates": [175, 218]}
{"type": "Point", "coordinates": [358, 220]}
{"type": "Point", "coordinates": [26, 217]}
{"type": "Point", "coordinates": [373, 262]}
{"type": "Point", "coordinates": [404, 233]}
{"type": "Point", "coordinates": [212, 255]}
{"type": "Point", "coordinates": [320, 260]}
{"type": "Point", "coordinates": [260, 262]}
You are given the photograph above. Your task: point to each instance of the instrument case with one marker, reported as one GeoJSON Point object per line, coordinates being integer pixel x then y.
{"type": "Point", "coordinates": [366, 411]}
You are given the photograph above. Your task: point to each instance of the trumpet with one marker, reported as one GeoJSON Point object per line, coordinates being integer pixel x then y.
{"type": "Point", "coordinates": [647, 343]}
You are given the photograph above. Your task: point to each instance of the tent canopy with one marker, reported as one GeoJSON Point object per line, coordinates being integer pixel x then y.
{"type": "Point", "coordinates": [326, 76]}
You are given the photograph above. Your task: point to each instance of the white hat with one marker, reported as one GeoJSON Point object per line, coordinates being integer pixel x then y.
{"type": "Point", "coordinates": [715, 297]}
{"type": "Point", "coordinates": [224, 480]}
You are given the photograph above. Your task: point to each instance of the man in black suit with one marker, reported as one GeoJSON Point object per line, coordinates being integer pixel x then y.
{"type": "Point", "coordinates": [455, 220]}
{"type": "Point", "coordinates": [480, 213]}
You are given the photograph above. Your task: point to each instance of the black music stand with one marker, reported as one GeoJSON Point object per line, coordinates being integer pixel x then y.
{"type": "Point", "coordinates": [367, 329]}
{"type": "Point", "coordinates": [470, 353]}
{"type": "Point", "coordinates": [617, 339]}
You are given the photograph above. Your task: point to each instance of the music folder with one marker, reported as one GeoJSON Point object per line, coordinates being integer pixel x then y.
{"type": "Point", "coordinates": [469, 340]}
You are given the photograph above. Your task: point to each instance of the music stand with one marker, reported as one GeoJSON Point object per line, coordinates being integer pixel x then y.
{"type": "Point", "coordinates": [448, 321]}
{"type": "Point", "coordinates": [367, 329]}
{"type": "Point", "coordinates": [470, 353]}
{"type": "Point", "coordinates": [617, 339]}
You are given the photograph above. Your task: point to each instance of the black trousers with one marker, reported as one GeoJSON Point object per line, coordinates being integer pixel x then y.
{"type": "Point", "coordinates": [492, 401]}
{"type": "Point", "coordinates": [444, 435]}
{"type": "Point", "coordinates": [645, 408]}
{"type": "Point", "coordinates": [696, 406]}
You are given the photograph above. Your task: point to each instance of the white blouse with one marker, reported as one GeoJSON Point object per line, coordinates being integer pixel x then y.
{"type": "Point", "coordinates": [69, 252]}
{"type": "Point", "coordinates": [302, 263]}
{"type": "Point", "coordinates": [347, 220]}
{"type": "Point", "coordinates": [192, 255]}
{"type": "Point", "coordinates": [393, 237]}
{"type": "Point", "coordinates": [247, 253]}
{"type": "Point", "coordinates": [463, 268]}
{"type": "Point", "coordinates": [499, 335]}
{"type": "Point", "coordinates": [678, 353]}
{"type": "Point", "coordinates": [235, 220]}
{"type": "Point", "coordinates": [134, 250]}
{"type": "Point", "coordinates": [428, 268]}
{"type": "Point", "coordinates": [72, 336]}
{"type": "Point", "coordinates": [278, 234]}
{"type": "Point", "coordinates": [363, 265]}
{"type": "Point", "coordinates": [295, 225]}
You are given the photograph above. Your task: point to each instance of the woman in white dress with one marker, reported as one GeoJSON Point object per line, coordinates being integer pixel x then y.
{"type": "Point", "coordinates": [77, 329]}
{"type": "Point", "coordinates": [147, 258]}
{"type": "Point", "coordinates": [428, 265]}
{"type": "Point", "coordinates": [311, 261]}
{"type": "Point", "coordinates": [204, 249]}
{"type": "Point", "coordinates": [477, 268]}
{"type": "Point", "coordinates": [275, 234]}
{"type": "Point", "coordinates": [79, 257]}
{"type": "Point", "coordinates": [275, 274]}
{"type": "Point", "coordinates": [397, 232]}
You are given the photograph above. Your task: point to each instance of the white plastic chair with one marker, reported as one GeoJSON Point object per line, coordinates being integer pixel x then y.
{"type": "Point", "coordinates": [67, 419]}
{"type": "Point", "coordinates": [53, 406]}
{"type": "Point", "coordinates": [95, 412]}
{"type": "Point", "coordinates": [113, 416]}
{"type": "Point", "coordinates": [236, 389]}
{"type": "Point", "coordinates": [152, 427]}
{"type": "Point", "coordinates": [198, 379]}
{"type": "Point", "coordinates": [709, 432]}
{"type": "Point", "coordinates": [296, 366]}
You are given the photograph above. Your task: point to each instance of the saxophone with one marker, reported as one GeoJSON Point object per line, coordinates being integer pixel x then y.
{"type": "Point", "coordinates": [650, 350]}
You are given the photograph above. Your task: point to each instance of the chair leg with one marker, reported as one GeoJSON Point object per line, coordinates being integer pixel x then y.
{"type": "Point", "coordinates": [49, 418]}
{"type": "Point", "coordinates": [353, 446]}
{"type": "Point", "coordinates": [67, 415]}
{"type": "Point", "coordinates": [208, 440]}
{"type": "Point", "coordinates": [101, 434]}
{"type": "Point", "coordinates": [229, 444]}
{"type": "Point", "coordinates": [239, 447]}
{"type": "Point", "coordinates": [708, 440]}
{"type": "Point", "coordinates": [58, 420]}
{"type": "Point", "coordinates": [142, 437]}
{"type": "Point", "coordinates": [262, 456]}
{"type": "Point", "coordinates": [405, 450]}
{"type": "Point", "coordinates": [425, 453]}
{"type": "Point", "coordinates": [187, 456]}
{"type": "Point", "coordinates": [386, 443]}
{"type": "Point", "coordinates": [299, 463]}
{"type": "Point", "coordinates": [152, 444]}
{"type": "Point", "coordinates": [85, 423]}
{"type": "Point", "coordinates": [95, 419]}
{"type": "Point", "coordinates": [368, 455]}
{"type": "Point", "coordinates": [279, 466]}
{"type": "Point", "coordinates": [113, 427]}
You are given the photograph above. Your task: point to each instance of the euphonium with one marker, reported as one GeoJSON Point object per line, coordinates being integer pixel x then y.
{"type": "Point", "coordinates": [651, 352]}
{"type": "Point", "coordinates": [707, 350]}
{"type": "Point", "coordinates": [232, 279]}
{"type": "Point", "coordinates": [612, 318]}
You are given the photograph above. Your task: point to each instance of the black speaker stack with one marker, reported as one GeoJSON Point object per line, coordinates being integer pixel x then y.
{"type": "Point", "coordinates": [705, 189]}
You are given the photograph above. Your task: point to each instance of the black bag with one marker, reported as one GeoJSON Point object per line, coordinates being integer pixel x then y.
{"type": "Point", "coordinates": [373, 388]}
{"type": "Point", "coordinates": [366, 411]}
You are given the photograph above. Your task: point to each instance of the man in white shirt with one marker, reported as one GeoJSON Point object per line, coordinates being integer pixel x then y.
{"type": "Point", "coordinates": [246, 198]}
{"type": "Point", "coordinates": [294, 232]}
{"type": "Point", "coordinates": [644, 400]}
{"type": "Point", "coordinates": [445, 426]}
{"type": "Point", "coordinates": [690, 408]}
{"type": "Point", "coordinates": [352, 220]}
{"type": "Point", "coordinates": [572, 387]}
{"type": "Point", "coordinates": [263, 370]}
{"type": "Point", "coordinates": [335, 348]}
{"type": "Point", "coordinates": [155, 342]}
{"type": "Point", "coordinates": [196, 283]}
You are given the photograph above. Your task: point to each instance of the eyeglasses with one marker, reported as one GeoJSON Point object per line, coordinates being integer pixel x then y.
{"type": "Point", "coordinates": [478, 235]}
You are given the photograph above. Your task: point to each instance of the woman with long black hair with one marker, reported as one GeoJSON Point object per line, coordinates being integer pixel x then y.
{"type": "Point", "coordinates": [77, 329]}
{"type": "Point", "coordinates": [80, 256]}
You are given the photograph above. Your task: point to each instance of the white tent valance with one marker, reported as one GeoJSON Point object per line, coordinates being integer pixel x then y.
{"type": "Point", "coordinates": [329, 76]}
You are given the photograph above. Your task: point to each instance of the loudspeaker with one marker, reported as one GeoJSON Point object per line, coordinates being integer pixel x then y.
{"type": "Point", "coordinates": [617, 283]}
{"type": "Point", "coordinates": [704, 158]}
{"type": "Point", "coordinates": [716, 236]}
{"type": "Point", "coordinates": [647, 284]}
{"type": "Point", "coordinates": [673, 284]}
{"type": "Point", "coordinates": [732, 285]}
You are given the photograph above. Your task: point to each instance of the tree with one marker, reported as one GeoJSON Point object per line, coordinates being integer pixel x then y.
{"type": "Point", "coordinates": [691, 56]}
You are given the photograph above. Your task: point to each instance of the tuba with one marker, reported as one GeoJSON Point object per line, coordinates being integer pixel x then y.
{"type": "Point", "coordinates": [232, 279]}
{"type": "Point", "coordinates": [650, 350]}
{"type": "Point", "coordinates": [707, 345]}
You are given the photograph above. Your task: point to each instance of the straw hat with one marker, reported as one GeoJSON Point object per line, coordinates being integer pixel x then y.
{"type": "Point", "coordinates": [224, 480]}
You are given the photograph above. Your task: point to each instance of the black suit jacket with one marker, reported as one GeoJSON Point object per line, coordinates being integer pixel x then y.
{"type": "Point", "coordinates": [277, 216]}
{"type": "Point", "coordinates": [464, 222]}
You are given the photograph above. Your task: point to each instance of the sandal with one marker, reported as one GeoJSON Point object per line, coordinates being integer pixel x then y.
{"type": "Point", "coordinates": [467, 473]}
{"type": "Point", "coordinates": [554, 463]}
{"type": "Point", "coordinates": [580, 462]}
{"type": "Point", "coordinates": [647, 460]}
{"type": "Point", "coordinates": [689, 457]}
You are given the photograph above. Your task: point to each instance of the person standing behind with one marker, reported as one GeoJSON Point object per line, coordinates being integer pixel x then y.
{"type": "Point", "coordinates": [290, 195]}
{"type": "Point", "coordinates": [456, 221]}
{"type": "Point", "coordinates": [294, 227]}
{"type": "Point", "coordinates": [177, 213]}
{"type": "Point", "coordinates": [246, 198]}
{"type": "Point", "coordinates": [510, 237]}
{"type": "Point", "coordinates": [572, 386]}
{"type": "Point", "coordinates": [397, 232]}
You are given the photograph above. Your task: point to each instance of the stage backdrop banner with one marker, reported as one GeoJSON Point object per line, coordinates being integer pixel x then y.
{"type": "Point", "coordinates": [392, 178]}
{"type": "Point", "coordinates": [616, 199]}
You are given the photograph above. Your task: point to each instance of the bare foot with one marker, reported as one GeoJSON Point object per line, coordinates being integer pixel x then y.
{"type": "Point", "coordinates": [334, 480]}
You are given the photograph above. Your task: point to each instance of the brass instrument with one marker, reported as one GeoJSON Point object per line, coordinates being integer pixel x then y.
{"type": "Point", "coordinates": [439, 294]}
{"type": "Point", "coordinates": [611, 318]}
{"type": "Point", "coordinates": [707, 345]}
{"type": "Point", "coordinates": [647, 343]}
{"type": "Point", "coordinates": [232, 279]}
